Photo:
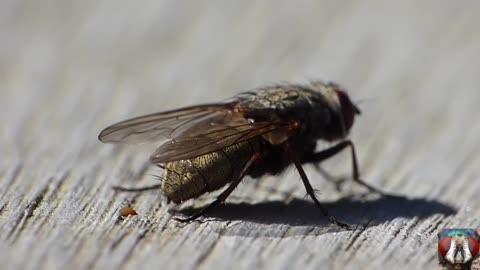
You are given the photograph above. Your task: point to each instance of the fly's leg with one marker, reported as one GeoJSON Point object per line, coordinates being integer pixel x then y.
{"type": "Point", "coordinates": [324, 173]}
{"type": "Point", "coordinates": [329, 152]}
{"type": "Point", "coordinates": [337, 181]}
{"type": "Point", "coordinates": [311, 193]}
{"type": "Point", "coordinates": [124, 189]}
{"type": "Point", "coordinates": [224, 195]}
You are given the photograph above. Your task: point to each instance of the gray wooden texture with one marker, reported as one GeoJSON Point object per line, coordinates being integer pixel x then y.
{"type": "Point", "coordinates": [70, 68]}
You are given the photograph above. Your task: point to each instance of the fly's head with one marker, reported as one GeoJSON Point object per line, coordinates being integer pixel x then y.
{"type": "Point", "coordinates": [457, 246]}
{"type": "Point", "coordinates": [343, 110]}
{"type": "Point", "coordinates": [348, 109]}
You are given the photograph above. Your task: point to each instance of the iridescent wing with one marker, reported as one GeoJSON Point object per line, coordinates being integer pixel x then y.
{"type": "Point", "coordinates": [190, 132]}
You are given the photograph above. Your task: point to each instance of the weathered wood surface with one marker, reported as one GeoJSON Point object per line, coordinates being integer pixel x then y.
{"type": "Point", "coordinates": [69, 68]}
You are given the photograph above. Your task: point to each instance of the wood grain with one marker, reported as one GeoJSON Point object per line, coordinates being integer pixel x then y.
{"type": "Point", "coordinates": [70, 68]}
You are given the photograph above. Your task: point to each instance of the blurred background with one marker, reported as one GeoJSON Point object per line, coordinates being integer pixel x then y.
{"type": "Point", "coordinates": [70, 68]}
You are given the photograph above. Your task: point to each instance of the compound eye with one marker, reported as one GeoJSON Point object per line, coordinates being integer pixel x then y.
{"type": "Point", "coordinates": [473, 246]}
{"type": "Point", "coordinates": [444, 245]}
{"type": "Point", "coordinates": [349, 110]}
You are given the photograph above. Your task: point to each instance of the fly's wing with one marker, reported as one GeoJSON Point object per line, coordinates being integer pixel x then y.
{"type": "Point", "coordinates": [212, 139]}
{"type": "Point", "coordinates": [159, 127]}
{"type": "Point", "coordinates": [190, 132]}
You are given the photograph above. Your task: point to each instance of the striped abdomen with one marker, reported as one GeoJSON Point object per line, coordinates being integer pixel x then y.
{"type": "Point", "coordinates": [186, 179]}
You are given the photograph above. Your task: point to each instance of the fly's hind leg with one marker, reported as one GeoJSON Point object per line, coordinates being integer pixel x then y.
{"type": "Point", "coordinates": [224, 195]}
{"type": "Point", "coordinates": [140, 189]}
{"type": "Point", "coordinates": [330, 152]}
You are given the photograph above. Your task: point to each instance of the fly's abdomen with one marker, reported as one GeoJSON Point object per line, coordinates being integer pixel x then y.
{"type": "Point", "coordinates": [186, 179]}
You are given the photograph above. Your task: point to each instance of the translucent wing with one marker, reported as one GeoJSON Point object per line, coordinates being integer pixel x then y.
{"type": "Point", "coordinates": [213, 139]}
{"type": "Point", "coordinates": [159, 127]}
{"type": "Point", "coordinates": [190, 132]}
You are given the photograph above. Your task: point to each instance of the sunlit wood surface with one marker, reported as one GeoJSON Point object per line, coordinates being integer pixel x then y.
{"type": "Point", "coordinates": [70, 68]}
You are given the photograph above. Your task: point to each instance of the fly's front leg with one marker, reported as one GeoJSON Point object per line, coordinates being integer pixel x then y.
{"type": "Point", "coordinates": [330, 152]}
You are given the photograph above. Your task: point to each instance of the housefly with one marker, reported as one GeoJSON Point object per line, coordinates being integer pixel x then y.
{"type": "Point", "coordinates": [204, 147]}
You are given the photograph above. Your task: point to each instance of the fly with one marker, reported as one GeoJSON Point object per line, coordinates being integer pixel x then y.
{"type": "Point", "coordinates": [262, 131]}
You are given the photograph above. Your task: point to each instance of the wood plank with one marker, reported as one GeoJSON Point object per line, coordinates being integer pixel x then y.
{"type": "Point", "coordinates": [69, 69]}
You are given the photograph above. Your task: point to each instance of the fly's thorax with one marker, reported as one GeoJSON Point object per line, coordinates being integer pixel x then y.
{"type": "Point", "coordinates": [186, 179]}
{"type": "Point", "coordinates": [269, 99]}
{"type": "Point", "coordinates": [323, 110]}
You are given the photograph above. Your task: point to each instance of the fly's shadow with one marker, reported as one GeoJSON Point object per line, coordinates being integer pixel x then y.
{"type": "Point", "coordinates": [302, 217]}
